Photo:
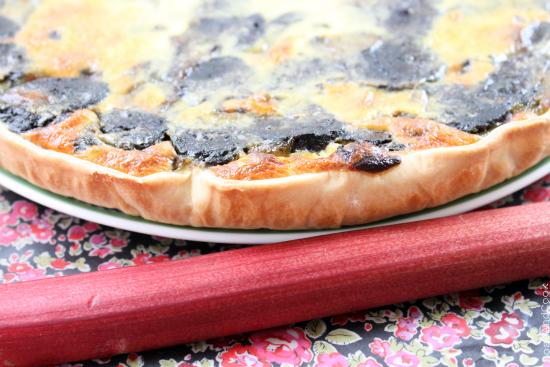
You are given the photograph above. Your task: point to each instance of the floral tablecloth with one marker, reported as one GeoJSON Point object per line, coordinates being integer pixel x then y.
{"type": "Point", "coordinates": [504, 326]}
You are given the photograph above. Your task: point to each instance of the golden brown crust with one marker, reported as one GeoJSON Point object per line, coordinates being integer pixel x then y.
{"type": "Point", "coordinates": [197, 197]}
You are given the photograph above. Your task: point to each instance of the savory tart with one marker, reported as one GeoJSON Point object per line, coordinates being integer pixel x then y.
{"type": "Point", "coordinates": [272, 114]}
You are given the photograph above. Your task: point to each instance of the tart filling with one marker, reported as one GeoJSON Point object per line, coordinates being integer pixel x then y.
{"type": "Point", "coordinates": [254, 90]}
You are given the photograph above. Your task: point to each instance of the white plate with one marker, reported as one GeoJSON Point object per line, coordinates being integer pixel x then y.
{"type": "Point", "coordinates": [116, 219]}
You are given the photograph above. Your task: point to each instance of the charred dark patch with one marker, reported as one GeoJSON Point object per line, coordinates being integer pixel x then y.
{"type": "Point", "coordinates": [39, 102]}
{"type": "Point", "coordinates": [8, 28]}
{"type": "Point", "coordinates": [398, 65]}
{"type": "Point", "coordinates": [410, 17]}
{"type": "Point", "coordinates": [11, 62]}
{"type": "Point", "coordinates": [54, 35]}
{"type": "Point", "coordinates": [215, 73]}
{"type": "Point", "coordinates": [247, 30]}
{"type": "Point", "coordinates": [85, 141]}
{"type": "Point", "coordinates": [514, 85]}
{"type": "Point", "coordinates": [367, 159]}
{"type": "Point", "coordinates": [535, 34]}
{"type": "Point", "coordinates": [129, 129]}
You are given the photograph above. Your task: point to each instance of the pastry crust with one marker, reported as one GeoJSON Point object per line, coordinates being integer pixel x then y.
{"type": "Point", "coordinates": [424, 179]}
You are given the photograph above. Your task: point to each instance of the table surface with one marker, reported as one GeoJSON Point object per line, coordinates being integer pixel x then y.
{"type": "Point", "coordinates": [504, 325]}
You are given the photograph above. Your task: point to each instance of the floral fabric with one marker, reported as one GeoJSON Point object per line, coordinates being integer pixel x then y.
{"type": "Point", "coordinates": [502, 326]}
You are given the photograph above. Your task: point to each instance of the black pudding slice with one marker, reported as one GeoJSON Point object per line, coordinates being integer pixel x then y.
{"type": "Point", "coordinates": [39, 102]}
{"type": "Point", "coordinates": [286, 135]}
{"type": "Point", "coordinates": [397, 65]}
{"type": "Point", "coordinates": [129, 129]}
{"type": "Point", "coordinates": [275, 135]}
{"type": "Point", "coordinates": [211, 147]}
{"type": "Point", "coordinates": [515, 84]}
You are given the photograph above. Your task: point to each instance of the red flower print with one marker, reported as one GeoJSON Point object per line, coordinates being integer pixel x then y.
{"type": "Point", "coordinates": [119, 242]}
{"type": "Point", "coordinates": [342, 320]}
{"type": "Point", "coordinates": [101, 252]}
{"type": "Point", "coordinates": [19, 267]}
{"type": "Point", "coordinates": [468, 362]}
{"type": "Point", "coordinates": [406, 328]}
{"type": "Point", "coordinates": [41, 230]}
{"type": "Point", "coordinates": [24, 210]}
{"type": "Point", "coordinates": [439, 337]}
{"type": "Point", "coordinates": [76, 233]}
{"type": "Point", "coordinates": [380, 347]}
{"type": "Point", "coordinates": [283, 346]}
{"type": "Point", "coordinates": [370, 362]}
{"type": "Point", "coordinates": [470, 300]}
{"type": "Point", "coordinates": [402, 359]}
{"type": "Point", "coordinates": [331, 360]}
{"type": "Point", "coordinates": [415, 313]}
{"type": "Point", "coordinates": [505, 331]}
{"type": "Point", "coordinates": [90, 227]}
{"type": "Point", "coordinates": [59, 264]}
{"type": "Point", "coordinates": [537, 194]}
{"type": "Point", "coordinates": [457, 323]}
{"type": "Point", "coordinates": [8, 236]}
{"type": "Point", "coordinates": [242, 356]}
{"type": "Point", "coordinates": [142, 259]}
{"type": "Point", "coordinates": [543, 290]}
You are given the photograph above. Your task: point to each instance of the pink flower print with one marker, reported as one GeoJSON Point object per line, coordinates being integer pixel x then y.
{"type": "Point", "coordinates": [370, 362]}
{"type": "Point", "coordinates": [283, 346]}
{"type": "Point", "coordinates": [402, 359]}
{"type": "Point", "coordinates": [32, 274]}
{"type": "Point", "coordinates": [406, 328]}
{"type": "Point", "coordinates": [439, 337]}
{"type": "Point", "coordinates": [380, 347]}
{"type": "Point", "coordinates": [8, 236]}
{"type": "Point", "coordinates": [98, 239]}
{"type": "Point", "coordinates": [331, 360]}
